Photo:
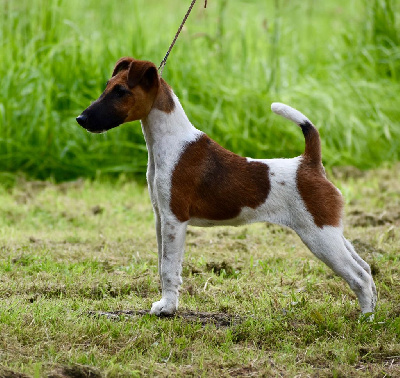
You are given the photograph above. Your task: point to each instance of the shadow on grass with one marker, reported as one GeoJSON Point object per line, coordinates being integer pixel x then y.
{"type": "Point", "coordinates": [204, 318]}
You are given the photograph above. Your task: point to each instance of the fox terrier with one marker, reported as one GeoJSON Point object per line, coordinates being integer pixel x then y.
{"type": "Point", "coordinates": [194, 181]}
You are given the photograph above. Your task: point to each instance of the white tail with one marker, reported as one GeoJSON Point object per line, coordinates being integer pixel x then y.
{"type": "Point", "coordinates": [289, 113]}
{"type": "Point", "coordinates": [311, 135]}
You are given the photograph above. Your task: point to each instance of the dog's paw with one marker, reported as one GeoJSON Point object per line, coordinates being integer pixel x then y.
{"type": "Point", "coordinates": [367, 317]}
{"type": "Point", "coordinates": [164, 307]}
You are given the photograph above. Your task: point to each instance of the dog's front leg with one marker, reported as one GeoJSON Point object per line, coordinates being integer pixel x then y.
{"type": "Point", "coordinates": [159, 241]}
{"type": "Point", "coordinates": [170, 264]}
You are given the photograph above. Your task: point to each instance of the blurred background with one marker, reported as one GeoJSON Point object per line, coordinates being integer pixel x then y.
{"type": "Point", "coordinates": [337, 61]}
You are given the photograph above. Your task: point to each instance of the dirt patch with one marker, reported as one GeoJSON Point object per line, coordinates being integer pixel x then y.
{"type": "Point", "coordinates": [358, 218]}
{"type": "Point", "coordinates": [243, 371]}
{"type": "Point", "coordinates": [215, 267]}
{"type": "Point", "coordinates": [75, 371]}
{"type": "Point", "coordinates": [381, 353]}
{"type": "Point", "coordinates": [221, 267]}
{"type": "Point", "coordinates": [365, 248]}
{"type": "Point", "coordinates": [189, 270]}
{"type": "Point", "coordinates": [218, 319]}
{"type": "Point", "coordinates": [346, 172]}
{"type": "Point", "coordinates": [389, 365]}
{"type": "Point", "coordinates": [97, 210]}
{"type": "Point", "coordinates": [6, 373]}
{"type": "Point", "coordinates": [26, 190]}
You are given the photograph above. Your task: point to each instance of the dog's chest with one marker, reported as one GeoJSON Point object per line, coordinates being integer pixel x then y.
{"type": "Point", "coordinates": [164, 155]}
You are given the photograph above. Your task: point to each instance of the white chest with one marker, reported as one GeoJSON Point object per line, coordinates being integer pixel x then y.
{"type": "Point", "coordinates": [167, 136]}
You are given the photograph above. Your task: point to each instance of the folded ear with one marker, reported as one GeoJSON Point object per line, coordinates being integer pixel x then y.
{"type": "Point", "coordinates": [143, 73]}
{"type": "Point", "coordinates": [122, 64]}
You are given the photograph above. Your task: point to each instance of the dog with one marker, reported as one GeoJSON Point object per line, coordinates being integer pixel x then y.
{"type": "Point", "coordinates": [194, 181]}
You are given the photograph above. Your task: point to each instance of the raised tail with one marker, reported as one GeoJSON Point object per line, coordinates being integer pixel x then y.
{"type": "Point", "coordinates": [313, 143]}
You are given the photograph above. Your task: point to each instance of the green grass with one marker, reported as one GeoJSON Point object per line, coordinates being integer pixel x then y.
{"type": "Point", "coordinates": [337, 61]}
{"type": "Point", "coordinates": [84, 246]}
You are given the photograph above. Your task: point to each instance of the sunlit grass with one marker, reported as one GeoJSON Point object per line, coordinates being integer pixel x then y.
{"type": "Point", "coordinates": [69, 249]}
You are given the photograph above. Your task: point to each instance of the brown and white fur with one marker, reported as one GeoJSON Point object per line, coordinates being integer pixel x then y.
{"type": "Point", "coordinates": [194, 181]}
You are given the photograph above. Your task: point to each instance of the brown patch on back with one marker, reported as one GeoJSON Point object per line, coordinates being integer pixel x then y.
{"type": "Point", "coordinates": [164, 100]}
{"type": "Point", "coordinates": [322, 199]}
{"type": "Point", "coordinates": [210, 182]}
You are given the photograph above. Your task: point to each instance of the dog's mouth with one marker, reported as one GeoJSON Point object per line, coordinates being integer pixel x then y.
{"type": "Point", "coordinates": [94, 127]}
{"type": "Point", "coordinates": [96, 131]}
{"type": "Point", "coordinates": [99, 130]}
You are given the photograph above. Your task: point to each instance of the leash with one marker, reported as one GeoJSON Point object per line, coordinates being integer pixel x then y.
{"type": "Point", "coordinates": [164, 61]}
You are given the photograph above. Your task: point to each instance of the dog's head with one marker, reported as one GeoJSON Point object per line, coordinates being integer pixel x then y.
{"type": "Point", "coordinates": [129, 96]}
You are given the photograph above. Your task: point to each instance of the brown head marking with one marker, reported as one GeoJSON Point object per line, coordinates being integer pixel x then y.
{"type": "Point", "coordinates": [132, 91]}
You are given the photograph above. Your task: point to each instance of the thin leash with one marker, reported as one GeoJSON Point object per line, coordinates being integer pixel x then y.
{"type": "Point", "coordinates": [164, 61]}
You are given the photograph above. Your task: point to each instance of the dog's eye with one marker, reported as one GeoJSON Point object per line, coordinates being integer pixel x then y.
{"type": "Point", "coordinates": [120, 91]}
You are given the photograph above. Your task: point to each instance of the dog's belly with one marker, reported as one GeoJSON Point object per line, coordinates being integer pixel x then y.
{"type": "Point", "coordinates": [247, 215]}
{"type": "Point", "coordinates": [284, 212]}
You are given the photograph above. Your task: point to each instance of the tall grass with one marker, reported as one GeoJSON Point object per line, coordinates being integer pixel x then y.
{"type": "Point", "coordinates": [337, 61]}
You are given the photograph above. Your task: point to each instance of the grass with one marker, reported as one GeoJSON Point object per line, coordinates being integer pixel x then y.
{"type": "Point", "coordinates": [337, 61]}
{"type": "Point", "coordinates": [254, 302]}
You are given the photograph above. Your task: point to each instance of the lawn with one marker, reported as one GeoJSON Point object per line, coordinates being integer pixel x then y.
{"type": "Point", "coordinates": [78, 273]}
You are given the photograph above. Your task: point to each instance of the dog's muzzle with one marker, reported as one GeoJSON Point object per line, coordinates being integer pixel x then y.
{"type": "Point", "coordinates": [82, 120]}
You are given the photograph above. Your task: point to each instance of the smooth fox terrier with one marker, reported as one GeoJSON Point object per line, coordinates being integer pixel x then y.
{"type": "Point", "coordinates": [194, 181]}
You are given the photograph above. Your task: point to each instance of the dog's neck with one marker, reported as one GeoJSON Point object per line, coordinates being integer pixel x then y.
{"type": "Point", "coordinates": [168, 128]}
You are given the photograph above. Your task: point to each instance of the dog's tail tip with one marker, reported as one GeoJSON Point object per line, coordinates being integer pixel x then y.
{"type": "Point", "coordinates": [276, 106]}
{"type": "Point", "coordinates": [313, 144]}
{"type": "Point", "coordinates": [289, 113]}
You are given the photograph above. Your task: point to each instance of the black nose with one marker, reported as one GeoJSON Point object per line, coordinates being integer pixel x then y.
{"type": "Point", "coordinates": [82, 120]}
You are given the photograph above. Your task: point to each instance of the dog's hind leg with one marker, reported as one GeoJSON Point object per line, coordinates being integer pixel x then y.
{"type": "Point", "coordinates": [359, 260]}
{"type": "Point", "coordinates": [355, 255]}
{"type": "Point", "coordinates": [329, 245]}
